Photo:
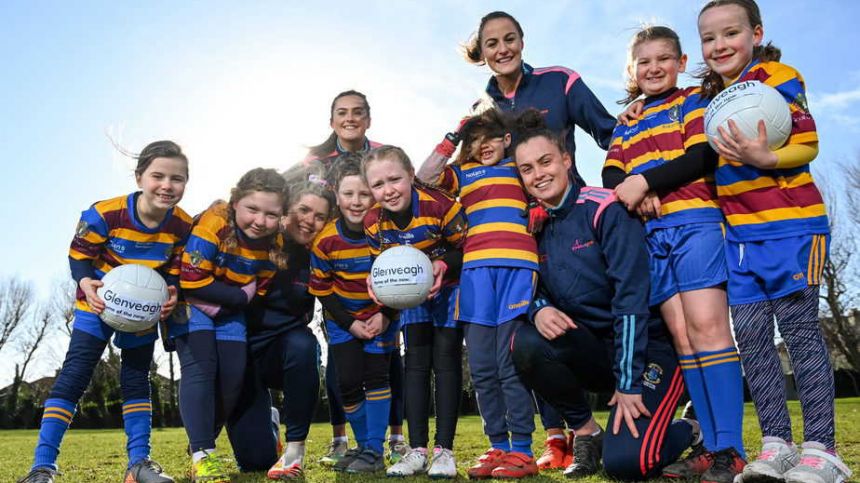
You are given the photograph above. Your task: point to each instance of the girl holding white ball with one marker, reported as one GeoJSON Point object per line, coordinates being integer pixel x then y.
{"type": "Point", "coordinates": [108, 235]}
{"type": "Point", "coordinates": [407, 213]}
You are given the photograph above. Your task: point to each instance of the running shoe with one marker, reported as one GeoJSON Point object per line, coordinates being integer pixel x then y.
{"type": "Point", "coordinates": [515, 465]}
{"type": "Point", "coordinates": [413, 463]}
{"type": "Point", "coordinates": [442, 466]}
{"type": "Point", "coordinates": [776, 457]}
{"type": "Point", "coordinates": [486, 463]}
{"type": "Point", "coordinates": [817, 465]}
{"type": "Point", "coordinates": [146, 471]}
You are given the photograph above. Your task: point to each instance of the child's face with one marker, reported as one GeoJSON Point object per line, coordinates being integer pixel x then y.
{"type": "Point", "coordinates": [306, 218]}
{"type": "Point", "coordinates": [728, 40]}
{"type": "Point", "coordinates": [353, 199]}
{"type": "Point", "coordinates": [656, 66]}
{"type": "Point", "coordinates": [391, 184]}
{"type": "Point", "coordinates": [489, 151]}
{"type": "Point", "coordinates": [162, 184]}
{"type": "Point", "coordinates": [350, 119]}
{"type": "Point", "coordinates": [258, 213]}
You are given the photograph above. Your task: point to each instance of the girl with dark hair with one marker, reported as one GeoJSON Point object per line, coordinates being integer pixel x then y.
{"type": "Point", "coordinates": [283, 353]}
{"type": "Point", "coordinates": [231, 256]}
{"type": "Point", "coordinates": [147, 228]}
{"type": "Point", "coordinates": [349, 120]}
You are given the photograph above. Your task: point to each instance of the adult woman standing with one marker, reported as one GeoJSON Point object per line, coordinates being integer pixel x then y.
{"type": "Point", "coordinates": [565, 101]}
{"type": "Point", "coordinates": [350, 119]}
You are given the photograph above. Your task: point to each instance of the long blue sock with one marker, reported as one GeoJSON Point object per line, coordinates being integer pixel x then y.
{"type": "Point", "coordinates": [721, 372]}
{"type": "Point", "coordinates": [137, 419]}
{"type": "Point", "coordinates": [521, 443]}
{"type": "Point", "coordinates": [501, 442]}
{"type": "Point", "coordinates": [55, 421]}
{"type": "Point", "coordinates": [356, 414]}
{"type": "Point", "coordinates": [378, 402]}
{"type": "Point", "coordinates": [694, 380]}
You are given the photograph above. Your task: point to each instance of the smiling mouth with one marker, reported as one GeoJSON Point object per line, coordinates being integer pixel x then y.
{"type": "Point", "coordinates": [542, 184]}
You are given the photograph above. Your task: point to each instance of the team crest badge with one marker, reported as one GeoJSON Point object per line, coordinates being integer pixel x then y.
{"type": "Point", "coordinates": [800, 100]}
{"type": "Point", "coordinates": [82, 229]}
{"type": "Point", "coordinates": [195, 257]}
{"type": "Point", "coordinates": [653, 375]}
{"type": "Point", "coordinates": [674, 113]}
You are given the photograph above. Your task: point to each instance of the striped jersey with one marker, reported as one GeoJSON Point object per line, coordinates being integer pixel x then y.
{"type": "Point", "coordinates": [110, 234]}
{"type": "Point", "coordinates": [668, 127]}
{"type": "Point", "coordinates": [762, 204]}
{"type": "Point", "coordinates": [340, 265]}
{"type": "Point", "coordinates": [208, 257]}
{"type": "Point", "coordinates": [438, 225]}
{"type": "Point", "coordinates": [496, 210]}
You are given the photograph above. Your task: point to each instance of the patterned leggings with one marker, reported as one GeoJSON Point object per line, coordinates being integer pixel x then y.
{"type": "Point", "coordinates": [797, 318]}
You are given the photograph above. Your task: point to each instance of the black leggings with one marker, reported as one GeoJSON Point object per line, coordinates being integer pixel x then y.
{"type": "Point", "coordinates": [439, 349]}
{"type": "Point", "coordinates": [358, 371]}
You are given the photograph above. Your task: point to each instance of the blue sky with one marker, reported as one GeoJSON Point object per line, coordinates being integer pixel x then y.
{"type": "Point", "coordinates": [246, 85]}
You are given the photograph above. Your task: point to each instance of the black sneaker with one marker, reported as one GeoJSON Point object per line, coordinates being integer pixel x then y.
{"type": "Point", "coordinates": [727, 464]}
{"type": "Point", "coordinates": [347, 459]}
{"type": "Point", "coordinates": [39, 475]}
{"type": "Point", "coordinates": [697, 462]}
{"type": "Point", "coordinates": [146, 471]}
{"type": "Point", "coordinates": [368, 461]}
{"type": "Point", "coordinates": [587, 451]}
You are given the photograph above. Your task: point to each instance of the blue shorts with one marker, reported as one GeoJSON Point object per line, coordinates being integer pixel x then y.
{"type": "Point", "coordinates": [439, 310]}
{"type": "Point", "coordinates": [494, 295]}
{"type": "Point", "coordinates": [381, 344]}
{"type": "Point", "coordinates": [188, 318]}
{"type": "Point", "coordinates": [685, 258]}
{"type": "Point", "coordinates": [92, 324]}
{"type": "Point", "coordinates": [772, 269]}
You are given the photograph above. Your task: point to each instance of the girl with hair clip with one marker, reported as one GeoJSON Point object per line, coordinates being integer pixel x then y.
{"type": "Point", "coordinates": [361, 334]}
{"type": "Point", "coordinates": [592, 327]}
{"type": "Point", "coordinates": [147, 228]}
{"type": "Point", "coordinates": [685, 243]}
{"type": "Point", "coordinates": [496, 285]}
{"type": "Point", "coordinates": [350, 119]}
{"type": "Point", "coordinates": [231, 256]}
{"type": "Point", "coordinates": [283, 352]}
{"type": "Point", "coordinates": [777, 239]}
{"type": "Point", "coordinates": [408, 213]}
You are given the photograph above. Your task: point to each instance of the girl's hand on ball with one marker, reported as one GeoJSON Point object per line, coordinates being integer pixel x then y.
{"type": "Point", "coordinates": [370, 291]}
{"type": "Point", "coordinates": [88, 287]}
{"type": "Point", "coordinates": [359, 330]}
{"type": "Point", "coordinates": [735, 146]}
{"type": "Point", "coordinates": [172, 297]}
{"type": "Point", "coordinates": [439, 269]}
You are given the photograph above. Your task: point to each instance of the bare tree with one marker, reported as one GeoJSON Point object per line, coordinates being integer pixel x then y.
{"type": "Point", "coordinates": [38, 328]}
{"type": "Point", "coordinates": [62, 303]}
{"type": "Point", "coordinates": [16, 297]}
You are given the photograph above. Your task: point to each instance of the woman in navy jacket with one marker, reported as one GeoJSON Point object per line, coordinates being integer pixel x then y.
{"type": "Point", "coordinates": [593, 329]}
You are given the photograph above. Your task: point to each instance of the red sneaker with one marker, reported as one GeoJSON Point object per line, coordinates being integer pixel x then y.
{"type": "Point", "coordinates": [554, 455]}
{"type": "Point", "coordinates": [487, 462]}
{"type": "Point", "coordinates": [515, 465]}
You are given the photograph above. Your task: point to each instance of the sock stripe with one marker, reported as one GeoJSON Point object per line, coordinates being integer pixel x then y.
{"type": "Point", "coordinates": [353, 407]}
{"type": "Point", "coordinates": [137, 410]}
{"type": "Point", "coordinates": [726, 360]}
{"type": "Point", "coordinates": [60, 410]}
{"type": "Point", "coordinates": [61, 417]}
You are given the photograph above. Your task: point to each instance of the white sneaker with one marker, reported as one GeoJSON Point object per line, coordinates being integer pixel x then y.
{"type": "Point", "coordinates": [413, 463]}
{"type": "Point", "coordinates": [817, 466]}
{"type": "Point", "coordinates": [775, 459]}
{"type": "Point", "coordinates": [442, 465]}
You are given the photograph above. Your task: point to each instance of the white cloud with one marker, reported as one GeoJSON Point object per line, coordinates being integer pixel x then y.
{"type": "Point", "coordinates": [835, 100]}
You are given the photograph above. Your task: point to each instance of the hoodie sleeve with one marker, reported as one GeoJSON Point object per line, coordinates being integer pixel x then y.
{"type": "Point", "coordinates": [587, 112]}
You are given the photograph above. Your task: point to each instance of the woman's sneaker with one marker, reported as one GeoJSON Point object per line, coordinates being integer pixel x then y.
{"type": "Point", "coordinates": [442, 465]}
{"type": "Point", "coordinates": [146, 471]}
{"type": "Point", "coordinates": [336, 451]}
{"type": "Point", "coordinates": [775, 459]}
{"type": "Point", "coordinates": [817, 466]}
{"type": "Point", "coordinates": [556, 454]}
{"type": "Point", "coordinates": [397, 450]}
{"type": "Point", "coordinates": [368, 461]}
{"type": "Point", "coordinates": [413, 463]}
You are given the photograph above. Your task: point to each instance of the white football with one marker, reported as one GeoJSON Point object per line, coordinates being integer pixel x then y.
{"type": "Point", "coordinates": [401, 277]}
{"type": "Point", "coordinates": [746, 103]}
{"type": "Point", "coordinates": [133, 296]}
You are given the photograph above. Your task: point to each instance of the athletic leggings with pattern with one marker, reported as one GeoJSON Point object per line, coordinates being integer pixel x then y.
{"type": "Point", "coordinates": [797, 318]}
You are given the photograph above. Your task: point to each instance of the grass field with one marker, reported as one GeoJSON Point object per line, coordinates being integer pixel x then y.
{"type": "Point", "coordinates": [99, 455]}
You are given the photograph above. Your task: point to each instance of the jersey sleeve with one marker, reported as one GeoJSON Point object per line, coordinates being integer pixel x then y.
{"type": "Point", "coordinates": [198, 259]}
{"type": "Point", "coordinates": [791, 85]}
{"type": "Point", "coordinates": [90, 235]}
{"type": "Point", "coordinates": [587, 112]}
{"type": "Point", "coordinates": [454, 224]}
{"type": "Point", "coordinates": [267, 269]}
{"type": "Point", "coordinates": [693, 112]}
{"type": "Point", "coordinates": [622, 239]}
{"type": "Point", "coordinates": [321, 282]}
{"type": "Point", "coordinates": [449, 180]}
{"type": "Point", "coordinates": [615, 153]}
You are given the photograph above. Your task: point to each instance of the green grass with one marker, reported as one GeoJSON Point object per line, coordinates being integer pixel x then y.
{"type": "Point", "coordinates": [99, 455]}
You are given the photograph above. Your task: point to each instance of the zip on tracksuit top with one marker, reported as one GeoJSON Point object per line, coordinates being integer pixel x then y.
{"type": "Point", "coordinates": [594, 268]}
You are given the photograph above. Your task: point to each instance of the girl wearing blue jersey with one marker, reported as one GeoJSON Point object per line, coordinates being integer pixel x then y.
{"type": "Point", "coordinates": [148, 217]}
{"type": "Point", "coordinates": [496, 285]}
{"type": "Point", "coordinates": [283, 353]}
{"type": "Point", "coordinates": [685, 244]}
{"type": "Point", "coordinates": [231, 256]}
{"type": "Point", "coordinates": [408, 213]}
{"type": "Point", "coordinates": [777, 241]}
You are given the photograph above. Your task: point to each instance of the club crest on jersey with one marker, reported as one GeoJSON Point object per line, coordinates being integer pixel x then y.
{"type": "Point", "coordinates": [195, 257]}
{"type": "Point", "coordinates": [800, 100]}
{"type": "Point", "coordinates": [674, 113]}
{"type": "Point", "coordinates": [653, 375]}
{"type": "Point", "coordinates": [82, 229]}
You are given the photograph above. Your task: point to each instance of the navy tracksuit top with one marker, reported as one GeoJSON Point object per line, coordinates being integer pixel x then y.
{"type": "Point", "coordinates": [594, 268]}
